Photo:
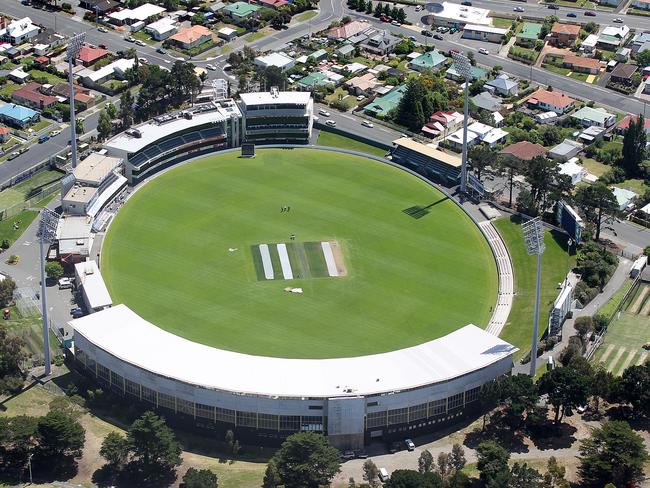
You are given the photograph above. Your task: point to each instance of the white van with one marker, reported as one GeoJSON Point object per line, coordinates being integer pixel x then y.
{"type": "Point", "coordinates": [383, 475]}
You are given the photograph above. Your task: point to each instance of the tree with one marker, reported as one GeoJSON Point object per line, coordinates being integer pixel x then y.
{"type": "Point", "coordinates": [153, 443]}
{"type": "Point", "coordinates": [115, 449]}
{"type": "Point", "coordinates": [584, 326]}
{"type": "Point", "coordinates": [305, 459]}
{"type": "Point", "coordinates": [511, 167]}
{"type": "Point", "coordinates": [613, 453]}
{"type": "Point", "coordinates": [457, 458]}
{"type": "Point", "coordinates": [7, 287]}
{"type": "Point", "coordinates": [272, 76]}
{"type": "Point", "coordinates": [111, 110]}
{"type": "Point", "coordinates": [195, 478]}
{"type": "Point", "coordinates": [407, 478]}
{"type": "Point", "coordinates": [361, 5]}
{"type": "Point", "coordinates": [554, 476]}
{"type": "Point", "coordinates": [386, 9]}
{"type": "Point", "coordinates": [423, 96]}
{"type": "Point", "coordinates": [18, 440]}
{"type": "Point", "coordinates": [60, 435]}
{"type": "Point", "coordinates": [596, 201]}
{"type": "Point", "coordinates": [271, 476]}
{"type": "Point", "coordinates": [425, 462]}
{"type": "Point", "coordinates": [634, 387]}
{"type": "Point", "coordinates": [401, 15]}
{"type": "Point", "coordinates": [198, 18]}
{"type": "Point", "coordinates": [379, 9]}
{"type": "Point", "coordinates": [601, 384]}
{"type": "Point", "coordinates": [79, 126]}
{"type": "Point", "coordinates": [543, 176]}
{"type": "Point", "coordinates": [524, 476]}
{"type": "Point", "coordinates": [368, 8]}
{"type": "Point", "coordinates": [480, 157]}
{"type": "Point", "coordinates": [518, 394]}
{"type": "Point", "coordinates": [566, 388]}
{"type": "Point", "coordinates": [442, 465]}
{"type": "Point", "coordinates": [54, 270]}
{"type": "Point", "coordinates": [371, 473]}
{"type": "Point", "coordinates": [634, 142]}
{"type": "Point", "coordinates": [170, 5]}
{"type": "Point", "coordinates": [12, 354]}
{"type": "Point", "coordinates": [104, 125]}
{"type": "Point", "coordinates": [550, 135]}
{"type": "Point", "coordinates": [394, 12]}
{"type": "Point", "coordinates": [126, 109]}
{"type": "Point", "coordinates": [643, 58]}
{"type": "Point", "coordinates": [493, 464]}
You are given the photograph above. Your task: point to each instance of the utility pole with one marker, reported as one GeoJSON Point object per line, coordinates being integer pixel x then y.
{"type": "Point", "coordinates": [464, 68]}
{"type": "Point", "coordinates": [534, 240]}
{"type": "Point", "coordinates": [74, 46]}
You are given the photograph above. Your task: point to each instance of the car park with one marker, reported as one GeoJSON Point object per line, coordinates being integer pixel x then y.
{"type": "Point", "coordinates": [409, 444]}
{"type": "Point", "coordinates": [324, 112]}
{"type": "Point", "coordinates": [138, 42]}
{"type": "Point", "coordinates": [483, 51]}
{"type": "Point", "coordinates": [102, 29]}
{"type": "Point", "coordinates": [330, 122]}
{"type": "Point", "coordinates": [368, 124]}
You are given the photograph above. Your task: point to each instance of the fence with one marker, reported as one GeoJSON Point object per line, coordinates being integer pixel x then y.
{"type": "Point", "coordinates": [19, 207]}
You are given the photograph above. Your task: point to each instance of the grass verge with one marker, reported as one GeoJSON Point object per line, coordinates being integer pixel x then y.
{"type": "Point", "coordinates": [334, 140]}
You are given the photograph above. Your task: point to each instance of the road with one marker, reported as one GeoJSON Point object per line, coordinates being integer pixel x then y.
{"type": "Point", "coordinates": [351, 124]}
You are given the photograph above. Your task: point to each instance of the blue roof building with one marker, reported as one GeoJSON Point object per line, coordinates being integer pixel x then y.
{"type": "Point", "coordinates": [17, 115]}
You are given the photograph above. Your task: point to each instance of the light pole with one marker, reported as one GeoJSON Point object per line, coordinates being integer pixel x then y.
{"type": "Point", "coordinates": [46, 235]}
{"type": "Point", "coordinates": [534, 240]}
{"type": "Point", "coordinates": [29, 464]}
{"type": "Point", "coordinates": [464, 68]}
{"type": "Point", "coordinates": [74, 46]}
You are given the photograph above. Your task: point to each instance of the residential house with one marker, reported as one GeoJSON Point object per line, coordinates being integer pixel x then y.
{"type": "Point", "coordinates": [83, 98]}
{"type": "Point", "coordinates": [624, 198]}
{"type": "Point", "coordinates": [640, 42]}
{"type": "Point", "coordinates": [486, 101]}
{"type": "Point", "coordinates": [345, 50]}
{"type": "Point", "coordinates": [242, 10]}
{"type": "Point", "coordinates": [19, 31]}
{"type": "Point", "coordinates": [30, 95]}
{"type": "Point", "coordinates": [599, 117]}
{"type": "Point", "coordinates": [591, 134]}
{"type": "Point", "coordinates": [646, 85]}
{"type": "Point", "coordinates": [529, 34]}
{"type": "Point", "coordinates": [641, 4]}
{"type": "Point", "coordinates": [274, 4]}
{"type": "Point", "coordinates": [347, 30]}
{"type": "Point", "coordinates": [625, 123]}
{"type": "Point", "coordinates": [318, 55]}
{"type": "Point", "coordinates": [216, 7]}
{"type": "Point", "coordinates": [18, 75]}
{"type": "Point", "coordinates": [484, 33]}
{"type": "Point", "coordinates": [277, 59]}
{"type": "Point", "coordinates": [554, 101]}
{"type": "Point", "coordinates": [623, 54]}
{"type": "Point", "coordinates": [477, 133]}
{"type": "Point", "coordinates": [90, 55]}
{"type": "Point", "coordinates": [99, 7]}
{"type": "Point", "coordinates": [145, 13]}
{"type": "Point", "coordinates": [382, 105]}
{"type": "Point", "coordinates": [442, 123]}
{"type": "Point", "coordinates": [47, 40]}
{"type": "Point", "coordinates": [546, 117]}
{"type": "Point", "coordinates": [503, 85]}
{"type": "Point", "coordinates": [475, 73]}
{"type": "Point", "coordinates": [564, 34]}
{"type": "Point", "coordinates": [610, 3]}
{"type": "Point", "coordinates": [17, 115]}
{"type": "Point", "coordinates": [581, 64]}
{"type": "Point", "coordinates": [623, 73]}
{"type": "Point", "coordinates": [191, 37]}
{"type": "Point", "coordinates": [565, 150]}
{"type": "Point", "coordinates": [354, 67]}
{"type": "Point", "coordinates": [117, 69]}
{"type": "Point", "coordinates": [313, 80]}
{"type": "Point", "coordinates": [523, 151]}
{"type": "Point", "coordinates": [573, 170]}
{"type": "Point", "coordinates": [227, 33]}
{"type": "Point", "coordinates": [363, 85]}
{"type": "Point", "coordinates": [429, 60]}
{"type": "Point", "coordinates": [381, 43]}
{"type": "Point", "coordinates": [162, 29]}
{"type": "Point", "coordinates": [619, 31]}
{"type": "Point", "coordinates": [609, 43]}
{"type": "Point", "coordinates": [589, 43]}
{"type": "Point", "coordinates": [5, 134]}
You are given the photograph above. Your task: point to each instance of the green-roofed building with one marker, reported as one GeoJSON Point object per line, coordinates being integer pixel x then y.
{"type": "Point", "coordinates": [475, 73]}
{"type": "Point", "coordinates": [428, 60]}
{"type": "Point", "coordinates": [312, 80]}
{"type": "Point", "coordinates": [382, 105]}
{"type": "Point", "coordinates": [242, 10]}
{"type": "Point", "coordinates": [529, 34]}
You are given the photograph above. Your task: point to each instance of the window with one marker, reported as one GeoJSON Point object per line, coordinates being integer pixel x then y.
{"type": "Point", "coordinates": [204, 411]}
{"type": "Point", "coordinates": [312, 423]}
{"type": "Point", "coordinates": [183, 406]}
{"type": "Point", "coordinates": [225, 415]}
{"type": "Point", "coordinates": [417, 412]}
{"type": "Point", "coordinates": [372, 404]}
{"type": "Point", "coordinates": [103, 372]}
{"type": "Point", "coordinates": [437, 407]}
{"type": "Point", "coordinates": [290, 422]}
{"type": "Point", "coordinates": [397, 416]}
{"type": "Point", "coordinates": [132, 388]}
{"type": "Point", "coordinates": [247, 419]}
{"type": "Point", "coordinates": [90, 364]}
{"type": "Point", "coordinates": [375, 419]}
{"type": "Point", "coordinates": [315, 407]}
{"type": "Point", "coordinates": [472, 395]}
{"type": "Point", "coordinates": [81, 356]}
{"type": "Point", "coordinates": [117, 380]}
{"type": "Point", "coordinates": [267, 421]}
{"type": "Point", "coordinates": [148, 395]}
{"type": "Point", "coordinates": [166, 401]}
{"type": "Point", "coordinates": [456, 401]}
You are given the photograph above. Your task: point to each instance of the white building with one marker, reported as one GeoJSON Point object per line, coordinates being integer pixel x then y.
{"type": "Point", "coordinates": [279, 60]}
{"type": "Point", "coordinates": [116, 69]}
{"type": "Point", "coordinates": [89, 280]}
{"type": "Point", "coordinates": [625, 198]}
{"type": "Point", "coordinates": [573, 170]}
{"type": "Point", "coordinates": [144, 13]}
{"type": "Point", "coordinates": [19, 31]}
{"type": "Point", "coordinates": [74, 238]}
{"type": "Point", "coordinates": [484, 33]}
{"type": "Point", "coordinates": [162, 29]}
{"type": "Point", "coordinates": [477, 133]}
{"type": "Point", "coordinates": [589, 43]}
{"type": "Point", "coordinates": [454, 14]}
{"type": "Point", "coordinates": [227, 33]}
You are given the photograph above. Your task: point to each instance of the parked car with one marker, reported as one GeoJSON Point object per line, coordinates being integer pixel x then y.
{"type": "Point", "coordinates": [438, 36]}
{"type": "Point", "coordinates": [161, 50]}
{"type": "Point", "coordinates": [590, 13]}
{"type": "Point", "coordinates": [23, 150]}
{"type": "Point", "coordinates": [102, 29]}
{"type": "Point", "coordinates": [368, 124]}
{"type": "Point", "coordinates": [412, 38]}
{"type": "Point", "coordinates": [418, 8]}
{"type": "Point", "coordinates": [211, 67]}
{"type": "Point", "coordinates": [362, 455]}
{"type": "Point", "coordinates": [571, 14]}
{"type": "Point", "coordinates": [65, 283]}
{"type": "Point", "coordinates": [518, 9]}
{"type": "Point", "coordinates": [442, 29]}
{"type": "Point", "coordinates": [138, 42]}
{"type": "Point", "coordinates": [482, 50]}
{"type": "Point", "coordinates": [55, 133]}
{"type": "Point", "coordinates": [129, 39]}
{"type": "Point", "coordinates": [552, 6]}
{"type": "Point", "coordinates": [43, 139]}
{"type": "Point", "coordinates": [384, 18]}
{"type": "Point", "coordinates": [395, 22]}
{"type": "Point", "coordinates": [330, 122]}
{"type": "Point", "coordinates": [409, 444]}
{"type": "Point", "coordinates": [13, 155]}
{"type": "Point", "coordinates": [468, 4]}
{"type": "Point", "coordinates": [324, 112]}
{"type": "Point", "coordinates": [618, 20]}
{"type": "Point", "coordinates": [347, 455]}
{"type": "Point", "coordinates": [383, 475]}
{"type": "Point", "coordinates": [427, 33]}
{"type": "Point", "coordinates": [360, 97]}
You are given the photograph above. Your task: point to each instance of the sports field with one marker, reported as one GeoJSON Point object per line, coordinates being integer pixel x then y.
{"type": "Point", "coordinates": [180, 253]}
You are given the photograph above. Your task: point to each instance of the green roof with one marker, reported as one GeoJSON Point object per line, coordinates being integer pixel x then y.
{"type": "Point", "coordinates": [388, 102]}
{"type": "Point", "coordinates": [430, 59]}
{"type": "Point", "coordinates": [475, 72]}
{"type": "Point", "coordinates": [530, 31]}
{"type": "Point", "coordinates": [242, 9]}
{"type": "Point", "coordinates": [313, 79]}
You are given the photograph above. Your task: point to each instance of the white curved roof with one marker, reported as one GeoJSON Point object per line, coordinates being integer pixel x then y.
{"type": "Point", "coordinates": [125, 335]}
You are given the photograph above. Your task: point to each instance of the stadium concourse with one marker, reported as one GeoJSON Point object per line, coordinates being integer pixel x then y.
{"type": "Point", "coordinates": [354, 400]}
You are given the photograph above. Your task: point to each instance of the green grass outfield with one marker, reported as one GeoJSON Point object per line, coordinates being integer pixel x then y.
{"type": "Point", "coordinates": [556, 263]}
{"type": "Point", "coordinates": [166, 255]}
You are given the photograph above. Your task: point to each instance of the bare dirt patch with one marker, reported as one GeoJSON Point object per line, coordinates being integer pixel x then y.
{"type": "Point", "coordinates": [338, 258]}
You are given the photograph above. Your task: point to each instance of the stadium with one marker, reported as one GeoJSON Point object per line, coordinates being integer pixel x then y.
{"type": "Point", "coordinates": [302, 289]}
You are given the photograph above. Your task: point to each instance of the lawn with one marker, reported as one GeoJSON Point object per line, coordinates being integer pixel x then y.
{"type": "Point", "coordinates": [304, 16]}
{"type": "Point", "coordinates": [254, 36]}
{"type": "Point", "coordinates": [594, 167]}
{"type": "Point", "coordinates": [143, 36]}
{"type": "Point", "coordinates": [501, 23]}
{"type": "Point", "coordinates": [637, 185]}
{"type": "Point", "coordinates": [41, 124]}
{"type": "Point", "coordinates": [26, 189]}
{"type": "Point", "coordinates": [341, 94]}
{"type": "Point", "coordinates": [556, 69]}
{"type": "Point", "coordinates": [52, 79]}
{"type": "Point", "coordinates": [555, 265]}
{"type": "Point", "coordinates": [8, 89]}
{"type": "Point", "coordinates": [7, 230]}
{"type": "Point", "coordinates": [179, 253]}
{"type": "Point", "coordinates": [334, 140]}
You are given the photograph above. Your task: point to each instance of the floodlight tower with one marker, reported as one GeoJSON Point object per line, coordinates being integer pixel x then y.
{"type": "Point", "coordinates": [74, 46]}
{"type": "Point", "coordinates": [534, 240]}
{"type": "Point", "coordinates": [46, 235]}
{"type": "Point", "coordinates": [464, 68]}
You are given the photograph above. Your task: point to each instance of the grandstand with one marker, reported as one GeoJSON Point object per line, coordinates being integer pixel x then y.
{"type": "Point", "coordinates": [426, 160]}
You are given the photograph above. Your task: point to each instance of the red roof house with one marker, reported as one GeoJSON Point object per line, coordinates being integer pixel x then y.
{"type": "Point", "coordinates": [90, 55]}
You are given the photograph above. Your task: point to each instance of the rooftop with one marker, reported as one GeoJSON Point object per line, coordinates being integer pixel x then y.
{"type": "Point", "coordinates": [80, 194]}
{"type": "Point", "coordinates": [242, 9]}
{"type": "Point", "coordinates": [70, 227]}
{"type": "Point", "coordinates": [524, 150]}
{"type": "Point", "coordinates": [93, 284]}
{"type": "Point", "coordinates": [552, 98]}
{"type": "Point", "coordinates": [17, 112]}
{"type": "Point", "coordinates": [385, 104]}
{"type": "Point", "coordinates": [141, 13]}
{"type": "Point", "coordinates": [191, 34]}
{"type": "Point", "coordinates": [566, 29]}
{"type": "Point", "coordinates": [624, 124]}
{"type": "Point", "coordinates": [430, 59]}
{"type": "Point", "coordinates": [445, 157]}
{"type": "Point", "coordinates": [348, 30]}
{"type": "Point", "coordinates": [582, 61]}
{"type": "Point", "coordinates": [89, 54]}
{"type": "Point", "coordinates": [93, 169]}
{"type": "Point", "coordinates": [279, 60]}
{"type": "Point", "coordinates": [624, 70]}
{"type": "Point", "coordinates": [454, 12]}
{"type": "Point", "coordinates": [31, 92]}
{"type": "Point", "coordinates": [486, 28]}
{"type": "Point", "coordinates": [281, 97]}
{"type": "Point", "coordinates": [530, 30]}
{"type": "Point", "coordinates": [599, 114]}
{"type": "Point", "coordinates": [121, 333]}
{"type": "Point", "coordinates": [565, 147]}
